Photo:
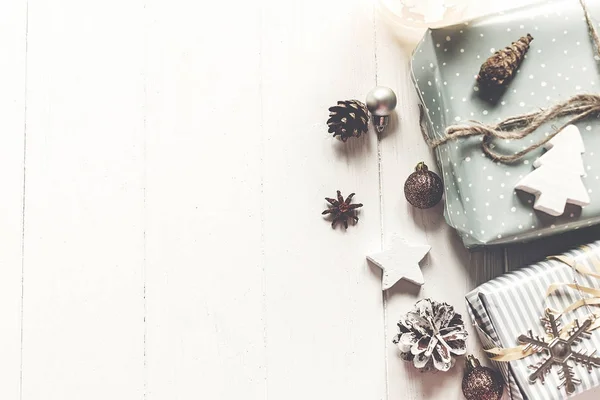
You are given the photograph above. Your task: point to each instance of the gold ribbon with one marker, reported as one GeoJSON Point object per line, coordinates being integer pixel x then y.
{"type": "Point", "coordinates": [519, 352]}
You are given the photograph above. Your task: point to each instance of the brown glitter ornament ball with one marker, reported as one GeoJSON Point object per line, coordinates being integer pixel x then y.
{"type": "Point", "coordinates": [481, 383]}
{"type": "Point", "coordinates": [423, 188]}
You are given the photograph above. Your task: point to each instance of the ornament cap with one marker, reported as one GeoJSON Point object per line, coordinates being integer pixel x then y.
{"type": "Point", "coordinates": [472, 362]}
{"type": "Point", "coordinates": [380, 122]}
{"type": "Point", "coordinates": [421, 167]}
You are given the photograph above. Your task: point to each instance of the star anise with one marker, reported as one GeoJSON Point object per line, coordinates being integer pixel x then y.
{"type": "Point", "coordinates": [342, 209]}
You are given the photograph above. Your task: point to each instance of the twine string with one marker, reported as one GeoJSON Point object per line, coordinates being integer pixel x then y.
{"type": "Point", "coordinates": [591, 27]}
{"type": "Point", "coordinates": [578, 107]}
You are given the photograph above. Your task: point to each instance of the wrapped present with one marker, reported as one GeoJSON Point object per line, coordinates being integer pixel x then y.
{"type": "Point", "coordinates": [506, 313]}
{"type": "Point", "coordinates": [482, 202]}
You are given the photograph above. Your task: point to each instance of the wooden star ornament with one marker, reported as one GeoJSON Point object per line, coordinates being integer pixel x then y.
{"type": "Point", "coordinates": [401, 261]}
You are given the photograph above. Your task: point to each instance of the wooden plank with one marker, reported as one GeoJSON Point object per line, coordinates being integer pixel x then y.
{"type": "Point", "coordinates": [13, 19]}
{"type": "Point", "coordinates": [83, 260]}
{"type": "Point", "coordinates": [205, 255]}
{"type": "Point", "coordinates": [324, 315]}
{"type": "Point", "coordinates": [450, 270]}
{"type": "Point", "coordinates": [524, 254]}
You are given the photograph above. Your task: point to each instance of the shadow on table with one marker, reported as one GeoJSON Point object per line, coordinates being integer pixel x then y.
{"type": "Point", "coordinates": [353, 147]}
{"type": "Point", "coordinates": [486, 264]}
{"type": "Point", "coordinates": [480, 265]}
{"type": "Point", "coordinates": [402, 286]}
{"type": "Point", "coordinates": [430, 219]}
{"type": "Point", "coordinates": [523, 254]}
{"type": "Point", "coordinates": [434, 383]}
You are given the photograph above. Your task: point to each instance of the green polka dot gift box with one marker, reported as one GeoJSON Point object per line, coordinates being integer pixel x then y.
{"type": "Point", "coordinates": [555, 186]}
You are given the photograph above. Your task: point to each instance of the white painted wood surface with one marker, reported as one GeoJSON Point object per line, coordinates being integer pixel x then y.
{"type": "Point", "coordinates": [13, 22]}
{"type": "Point", "coordinates": [164, 165]}
{"type": "Point", "coordinates": [83, 303]}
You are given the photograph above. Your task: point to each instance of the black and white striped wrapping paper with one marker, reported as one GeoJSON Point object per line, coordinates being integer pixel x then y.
{"type": "Point", "coordinates": [512, 304]}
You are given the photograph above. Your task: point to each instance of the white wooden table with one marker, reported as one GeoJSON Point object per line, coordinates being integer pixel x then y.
{"type": "Point", "coordinates": [163, 167]}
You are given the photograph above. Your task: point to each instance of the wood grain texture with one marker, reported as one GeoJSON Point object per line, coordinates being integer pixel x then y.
{"type": "Point", "coordinates": [449, 270]}
{"type": "Point", "coordinates": [262, 320]}
{"type": "Point", "coordinates": [176, 162]}
{"type": "Point", "coordinates": [204, 210]}
{"type": "Point", "coordinates": [13, 21]}
{"type": "Point", "coordinates": [83, 326]}
{"type": "Point", "coordinates": [324, 316]}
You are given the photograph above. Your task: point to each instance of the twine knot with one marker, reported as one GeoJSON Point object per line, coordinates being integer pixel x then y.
{"type": "Point", "coordinates": [577, 107]}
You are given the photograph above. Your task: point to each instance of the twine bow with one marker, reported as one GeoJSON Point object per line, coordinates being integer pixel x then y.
{"type": "Point", "coordinates": [577, 107]}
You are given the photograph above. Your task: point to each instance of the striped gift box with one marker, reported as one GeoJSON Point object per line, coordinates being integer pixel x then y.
{"type": "Point", "coordinates": [511, 305]}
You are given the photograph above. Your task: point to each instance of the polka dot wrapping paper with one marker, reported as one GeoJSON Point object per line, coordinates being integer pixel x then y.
{"type": "Point", "coordinates": [481, 201]}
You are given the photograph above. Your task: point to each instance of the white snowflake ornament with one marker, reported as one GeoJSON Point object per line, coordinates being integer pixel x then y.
{"type": "Point", "coordinates": [431, 336]}
{"type": "Point", "coordinates": [556, 180]}
{"type": "Point", "coordinates": [401, 261]}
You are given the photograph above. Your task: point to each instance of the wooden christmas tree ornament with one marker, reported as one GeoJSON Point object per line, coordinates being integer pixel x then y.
{"type": "Point", "coordinates": [556, 180]}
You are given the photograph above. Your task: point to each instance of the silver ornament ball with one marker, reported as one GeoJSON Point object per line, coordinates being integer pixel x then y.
{"type": "Point", "coordinates": [381, 101]}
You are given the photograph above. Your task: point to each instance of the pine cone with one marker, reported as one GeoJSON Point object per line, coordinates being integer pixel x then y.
{"type": "Point", "coordinates": [501, 67]}
{"type": "Point", "coordinates": [349, 118]}
{"type": "Point", "coordinates": [431, 335]}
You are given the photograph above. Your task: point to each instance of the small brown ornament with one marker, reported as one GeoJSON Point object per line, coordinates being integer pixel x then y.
{"type": "Point", "coordinates": [423, 188]}
{"type": "Point", "coordinates": [348, 119]}
{"type": "Point", "coordinates": [501, 66]}
{"type": "Point", "coordinates": [481, 383]}
{"type": "Point", "coordinates": [342, 209]}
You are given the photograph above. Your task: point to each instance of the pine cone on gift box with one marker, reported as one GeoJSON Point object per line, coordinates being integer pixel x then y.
{"type": "Point", "coordinates": [348, 119]}
{"type": "Point", "coordinates": [431, 336]}
{"type": "Point", "coordinates": [501, 66]}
